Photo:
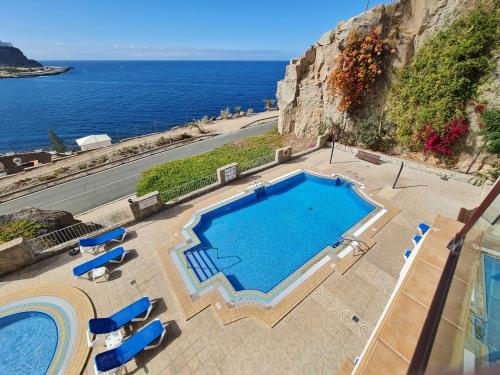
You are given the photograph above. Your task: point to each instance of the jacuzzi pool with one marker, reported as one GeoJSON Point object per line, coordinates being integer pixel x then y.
{"type": "Point", "coordinates": [259, 240]}
{"type": "Point", "coordinates": [28, 341]}
{"type": "Point", "coordinates": [37, 336]}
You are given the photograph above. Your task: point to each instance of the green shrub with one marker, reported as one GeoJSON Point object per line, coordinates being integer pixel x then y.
{"type": "Point", "coordinates": [61, 171]}
{"type": "Point", "coordinates": [444, 75]}
{"type": "Point", "coordinates": [374, 132]}
{"type": "Point", "coordinates": [18, 228]}
{"type": "Point", "coordinates": [491, 130]}
{"type": "Point", "coordinates": [169, 175]}
{"type": "Point", "coordinates": [224, 113]}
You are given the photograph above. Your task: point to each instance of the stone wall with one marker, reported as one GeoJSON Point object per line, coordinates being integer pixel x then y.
{"type": "Point", "coordinates": [145, 206]}
{"type": "Point", "coordinates": [303, 97]}
{"type": "Point", "coordinates": [15, 254]}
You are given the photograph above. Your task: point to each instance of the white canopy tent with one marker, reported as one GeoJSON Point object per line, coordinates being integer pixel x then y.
{"type": "Point", "coordinates": [92, 142]}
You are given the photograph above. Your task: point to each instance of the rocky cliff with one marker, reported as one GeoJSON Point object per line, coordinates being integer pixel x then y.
{"type": "Point", "coordinates": [13, 57]}
{"type": "Point", "coordinates": [303, 97]}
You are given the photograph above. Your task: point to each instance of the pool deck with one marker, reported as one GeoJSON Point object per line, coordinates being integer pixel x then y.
{"type": "Point", "coordinates": [325, 260]}
{"type": "Point", "coordinates": [317, 335]}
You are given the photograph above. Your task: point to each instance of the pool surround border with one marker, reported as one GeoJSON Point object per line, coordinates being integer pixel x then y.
{"type": "Point", "coordinates": [32, 299]}
{"type": "Point", "coordinates": [220, 282]}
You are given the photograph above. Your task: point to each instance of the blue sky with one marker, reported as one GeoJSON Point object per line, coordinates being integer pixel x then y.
{"type": "Point", "coordinates": [165, 29]}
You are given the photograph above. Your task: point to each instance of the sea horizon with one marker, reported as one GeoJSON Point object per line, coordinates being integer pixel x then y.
{"type": "Point", "coordinates": [45, 61]}
{"type": "Point", "coordinates": [128, 98]}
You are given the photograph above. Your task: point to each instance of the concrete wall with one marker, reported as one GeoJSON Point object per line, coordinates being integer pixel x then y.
{"type": "Point", "coordinates": [145, 206]}
{"type": "Point", "coordinates": [15, 254]}
{"type": "Point", "coordinates": [283, 154]}
{"type": "Point", "coordinates": [228, 173]}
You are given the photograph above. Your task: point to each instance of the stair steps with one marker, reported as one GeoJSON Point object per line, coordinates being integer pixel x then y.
{"type": "Point", "coordinates": [201, 264]}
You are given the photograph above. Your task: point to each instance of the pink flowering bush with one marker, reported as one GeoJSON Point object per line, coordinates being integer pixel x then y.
{"type": "Point", "coordinates": [443, 143]}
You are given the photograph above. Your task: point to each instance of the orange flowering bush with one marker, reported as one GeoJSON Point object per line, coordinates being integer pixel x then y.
{"type": "Point", "coordinates": [358, 66]}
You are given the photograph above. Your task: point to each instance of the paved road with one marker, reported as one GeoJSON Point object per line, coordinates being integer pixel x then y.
{"type": "Point", "coordinates": [88, 192]}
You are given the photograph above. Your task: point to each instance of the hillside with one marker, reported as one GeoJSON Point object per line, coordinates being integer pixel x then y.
{"type": "Point", "coordinates": [13, 57]}
{"type": "Point", "coordinates": [409, 78]}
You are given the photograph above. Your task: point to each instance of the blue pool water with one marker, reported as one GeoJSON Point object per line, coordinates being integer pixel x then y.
{"type": "Point", "coordinates": [28, 341]}
{"type": "Point", "coordinates": [492, 284]}
{"type": "Point", "coordinates": [127, 98]}
{"type": "Point", "coordinates": [261, 239]}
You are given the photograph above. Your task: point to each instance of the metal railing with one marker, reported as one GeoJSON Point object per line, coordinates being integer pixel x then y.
{"type": "Point", "coordinates": [188, 187]}
{"type": "Point", "coordinates": [178, 191]}
{"type": "Point", "coordinates": [258, 162]}
{"type": "Point", "coordinates": [80, 230]}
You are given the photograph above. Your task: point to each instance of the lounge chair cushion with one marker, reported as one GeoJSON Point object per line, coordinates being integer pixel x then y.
{"type": "Point", "coordinates": [103, 238]}
{"type": "Point", "coordinates": [98, 261]}
{"type": "Point", "coordinates": [102, 325]}
{"type": "Point", "coordinates": [416, 239]}
{"type": "Point", "coordinates": [407, 253]}
{"type": "Point", "coordinates": [132, 346]}
{"type": "Point", "coordinates": [137, 308]}
{"type": "Point", "coordinates": [423, 228]}
{"type": "Point", "coordinates": [120, 318]}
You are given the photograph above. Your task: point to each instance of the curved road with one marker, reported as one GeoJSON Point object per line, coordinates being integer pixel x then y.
{"type": "Point", "coordinates": [91, 191]}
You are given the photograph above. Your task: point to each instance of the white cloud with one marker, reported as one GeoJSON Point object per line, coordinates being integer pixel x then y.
{"type": "Point", "coordinates": [159, 52]}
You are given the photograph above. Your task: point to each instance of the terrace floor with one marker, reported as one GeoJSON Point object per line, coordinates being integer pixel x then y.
{"type": "Point", "coordinates": [315, 337]}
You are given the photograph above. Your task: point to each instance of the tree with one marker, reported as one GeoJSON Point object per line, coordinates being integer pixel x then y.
{"type": "Point", "coordinates": [56, 143]}
{"type": "Point", "coordinates": [269, 104]}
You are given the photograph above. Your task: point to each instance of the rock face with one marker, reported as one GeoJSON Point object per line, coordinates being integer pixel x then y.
{"type": "Point", "coordinates": [13, 57]}
{"type": "Point", "coordinates": [49, 219]}
{"type": "Point", "coordinates": [303, 97]}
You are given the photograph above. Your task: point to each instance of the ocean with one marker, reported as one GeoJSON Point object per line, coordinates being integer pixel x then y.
{"type": "Point", "coordinates": [127, 98]}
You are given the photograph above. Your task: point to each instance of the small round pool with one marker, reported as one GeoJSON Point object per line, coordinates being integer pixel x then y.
{"type": "Point", "coordinates": [42, 331]}
{"type": "Point", "coordinates": [28, 341]}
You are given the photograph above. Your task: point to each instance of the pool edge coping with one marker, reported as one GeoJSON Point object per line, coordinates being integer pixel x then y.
{"type": "Point", "coordinates": [266, 298]}
{"type": "Point", "coordinates": [84, 310]}
{"type": "Point", "coordinates": [193, 304]}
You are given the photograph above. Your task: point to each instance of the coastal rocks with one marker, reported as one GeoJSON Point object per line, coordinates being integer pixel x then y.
{"type": "Point", "coordinates": [13, 64]}
{"type": "Point", "coordinates": [303, 97]}
{"type": "Point", "coordinates": [50, 220]}
{"type": "Point", "coordinates": [27, 72]}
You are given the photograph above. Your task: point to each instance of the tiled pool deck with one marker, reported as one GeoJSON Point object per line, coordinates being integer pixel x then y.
{"type": "Point", "coordinates": [318, 334]}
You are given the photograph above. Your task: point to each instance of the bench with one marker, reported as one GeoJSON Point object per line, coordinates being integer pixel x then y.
{"type": "Point", "coordinates": [366, 156]}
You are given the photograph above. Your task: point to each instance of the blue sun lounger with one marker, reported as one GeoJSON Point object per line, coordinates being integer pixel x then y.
{"type": "Point", "coordinates": [114, 256]}
{"type": "Point", "coordinates": [127, 315]}
{"type": "Point", "coordinates": [407, 254]}
{"type": "Point", "coordinates": [416, 240]}
{"type": "Point", "coordinates": [423, 228]}
{"type": "Point", "coordinates": [92, 245]}
{"type": "Point", "coordinates": [116, 359]}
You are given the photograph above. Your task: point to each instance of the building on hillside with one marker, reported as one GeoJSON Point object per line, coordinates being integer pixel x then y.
{"type": "Point", "coordinates": [16, 163]}
{"type": "Point", "coordinates": [93, 142]}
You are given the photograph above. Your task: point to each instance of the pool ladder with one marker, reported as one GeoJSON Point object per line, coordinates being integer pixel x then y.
{"type": "Point", "coordinates": [255, 180]}
{"type": "Point", "coordinates": [356, 244]}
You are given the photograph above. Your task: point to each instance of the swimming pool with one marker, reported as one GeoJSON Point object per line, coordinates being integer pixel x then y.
{"type": "Point", "coordinates": [40, 331]}
{"type": "Point", "coordinates": [492, 286]}
{"type": "Point", "coordinates": [259, 239]}
{"type": "Point", "coordinates": [28, 341]}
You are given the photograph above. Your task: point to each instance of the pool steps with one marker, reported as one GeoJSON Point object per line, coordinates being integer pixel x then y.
{"type": "Point", "coordinates": [201, 264]}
